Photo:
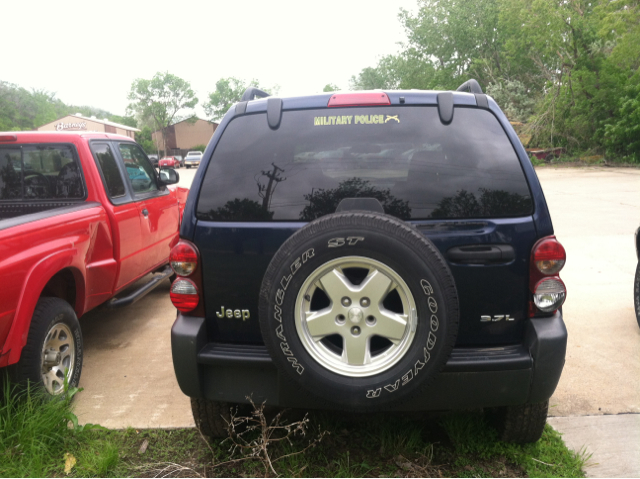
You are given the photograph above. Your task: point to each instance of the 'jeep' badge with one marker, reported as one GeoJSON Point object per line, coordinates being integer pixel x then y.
{"type": "Point", "coordinates": [234, 313]}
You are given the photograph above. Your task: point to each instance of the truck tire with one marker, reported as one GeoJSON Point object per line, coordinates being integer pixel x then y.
{"type": "Point", "coordinates": [359, 309]}
{"type": "Point", "coordinates": [211, 417]}
{"type": "Point", "coordinates": [636, 293]}
{"type": "Point", "coordinates": [53, 350]}
{"type": "Point", "coordinates": [522, 424]}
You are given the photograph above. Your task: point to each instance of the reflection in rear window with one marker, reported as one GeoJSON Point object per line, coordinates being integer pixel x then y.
{"type": "Point", "coordinates": [415, 166]}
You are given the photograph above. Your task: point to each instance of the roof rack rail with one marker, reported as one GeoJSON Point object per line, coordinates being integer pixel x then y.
{"type": "Point", "coordinates": [471, 86]}
{"type": "Point", "coordinates": [253, 92]}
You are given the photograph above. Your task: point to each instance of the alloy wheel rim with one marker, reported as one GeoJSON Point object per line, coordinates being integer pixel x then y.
{"type": "Point", "coordinates": [355, 316]}
{"type": "Point", "coordinates": [58, 358]}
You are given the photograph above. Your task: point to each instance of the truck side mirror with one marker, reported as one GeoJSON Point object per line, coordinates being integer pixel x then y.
{"type": "Point", "coordinates": [169, 176]}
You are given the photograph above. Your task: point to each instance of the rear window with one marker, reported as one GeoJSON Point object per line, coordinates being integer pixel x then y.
{"type": "Point", "coordinates": [40, 172]}
{"type": "Point", "coordinates": [415, 166]}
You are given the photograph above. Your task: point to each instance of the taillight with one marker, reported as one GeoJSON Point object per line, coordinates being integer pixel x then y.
{"type": "Point", "coordinates": [183, 258]}
{"type": "Point", "coordinates": [549, 256]}
{"type": "Point", "coordinates": [184, 295]}
{"type": "Point", "coordinates": [359, 99]}
{"type": "Point", "coordinates": [549, 292]}
{"type": "Point", "coordinates": [8, 137]}
{"type": "Point", "coordinates": [186, 290]}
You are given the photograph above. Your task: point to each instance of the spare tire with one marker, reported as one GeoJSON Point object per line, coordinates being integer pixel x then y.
{"type": "Point", "coordinates": [359, 309]}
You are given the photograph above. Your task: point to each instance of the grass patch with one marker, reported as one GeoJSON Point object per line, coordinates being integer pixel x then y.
{"type": "Point", "coordinates": [37, 430]}
{"type": "Point", "coordinates": [37, 437]}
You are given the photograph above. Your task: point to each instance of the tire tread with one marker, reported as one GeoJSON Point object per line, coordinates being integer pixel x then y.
{"type": "Point", "coordinates": [523, 424]}
{"type": "Point", "coordinates": [28, 367]}
{"type": "Point", "coordinates": [211, 417]}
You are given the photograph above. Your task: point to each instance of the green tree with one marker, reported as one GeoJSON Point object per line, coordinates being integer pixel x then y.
{"type": "Point", "coordinates": [568, 68]}
{"type": "Point", "coordinates": [123, 120]}
{"type": "Point", "coordinates": [329, 87]}
{"type": "Point", "coordinates": [145, 140]}
{"type": "Point", "coordinates": [161, 99]}
{"type": "Point", "coordinates": [228, 91]}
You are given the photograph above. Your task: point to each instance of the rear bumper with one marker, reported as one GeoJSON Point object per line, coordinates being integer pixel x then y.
{"type": "Point", "coordinates": [472, 378]}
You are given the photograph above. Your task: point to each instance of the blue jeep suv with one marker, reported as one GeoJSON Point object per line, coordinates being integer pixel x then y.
{"type": "Point", "coordinates": [369, 251]}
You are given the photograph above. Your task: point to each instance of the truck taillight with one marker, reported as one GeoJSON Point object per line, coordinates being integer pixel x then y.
{"type": "Point", "coordinates": [183, 258]}
{"type": "Point", "coordinates": [184, 295]}
{"type": "Point", "coordinates": [548, 291]}
{"type": "Point", "coordinates": [186, 290]}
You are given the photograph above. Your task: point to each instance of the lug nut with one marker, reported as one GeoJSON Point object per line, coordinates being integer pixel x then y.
{"type": "Point", "coordinates": [346, 301]}
{"type": "Point", "coordinates": [355, 330]}
{"type": "Point", "coordinates": [365, 302]}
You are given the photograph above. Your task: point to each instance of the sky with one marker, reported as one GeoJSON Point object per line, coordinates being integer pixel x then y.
{"type": "Point", "coordinates": [89, 53]}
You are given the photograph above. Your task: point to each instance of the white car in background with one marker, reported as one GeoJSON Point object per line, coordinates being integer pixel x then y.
{"type": "Point", "coordinates": [193, 159]}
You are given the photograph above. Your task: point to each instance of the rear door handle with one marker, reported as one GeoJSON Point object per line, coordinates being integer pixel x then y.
{"type": "Point", "coordinates": [145, 212]}
{"type": "Point", "coordinates": [481, 254]}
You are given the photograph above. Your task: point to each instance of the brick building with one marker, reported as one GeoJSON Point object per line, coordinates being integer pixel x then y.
{"type": "Point", "coordinates": [184, 135]}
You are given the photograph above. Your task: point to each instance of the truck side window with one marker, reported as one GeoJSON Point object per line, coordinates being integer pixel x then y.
{"type": "Point", "coordinates": [140, 171]}
{"type": "Point", "coordinates": [10, 174]}
{"type": "Point", "coordinates": [110, 172]}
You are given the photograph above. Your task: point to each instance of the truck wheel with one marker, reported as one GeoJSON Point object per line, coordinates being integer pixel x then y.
{"type": "Point", "coordinates": [522, 424]}
{"type": "Point", "coordinates": [636, 293]}
{"type": "Point", "coordinates": [211, 417]}
{"type": "Point", "coordinates": [53, 350]}
{"type": "Point", "coordinates": [359, 309]}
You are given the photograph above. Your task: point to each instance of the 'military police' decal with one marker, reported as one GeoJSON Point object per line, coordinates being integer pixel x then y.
{"type": "Point", "coordinates": [342, 120]}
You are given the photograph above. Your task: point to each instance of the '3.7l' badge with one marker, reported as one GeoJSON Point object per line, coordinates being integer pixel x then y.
{"type": "Point", "coordinates": [497, 317]}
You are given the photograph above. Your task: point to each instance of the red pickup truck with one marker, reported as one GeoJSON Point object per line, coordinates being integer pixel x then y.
{"type": "Point", "coordinates": [83, 216]}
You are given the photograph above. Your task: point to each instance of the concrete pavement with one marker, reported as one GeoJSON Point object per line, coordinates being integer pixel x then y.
{"type": "Point", "coordinates": [612, 442]}
{"type": "Point", "coordinates": [129, 381]}
{"type": "Point", "coordinates": [595, 212]}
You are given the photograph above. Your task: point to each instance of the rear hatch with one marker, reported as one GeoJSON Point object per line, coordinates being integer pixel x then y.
{"type": "Point", "coordinates": [460, 184]}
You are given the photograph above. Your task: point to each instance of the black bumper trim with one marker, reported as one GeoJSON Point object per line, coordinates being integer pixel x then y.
{"type": "Point", "coordinates": [473, 377]}
{"type": "Point", "coordinates": [505, 358]}
{"type": "Point", "coordinates": [221, 353]}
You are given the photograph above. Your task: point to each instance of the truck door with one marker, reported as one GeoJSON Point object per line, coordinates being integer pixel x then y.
{"type": "Point", "coordinates": [158, 209]}
{"type": "Point", "coordinates": [125, 216]}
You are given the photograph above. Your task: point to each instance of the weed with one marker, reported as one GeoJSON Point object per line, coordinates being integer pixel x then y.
{"type": "Point", "coordinates": [253, 435]}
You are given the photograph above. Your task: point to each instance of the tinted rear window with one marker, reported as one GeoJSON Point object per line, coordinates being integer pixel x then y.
{"type": "Point", "coordinates": [415, 166]}
{"type": "Point", "coordinates": [40, 172]}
